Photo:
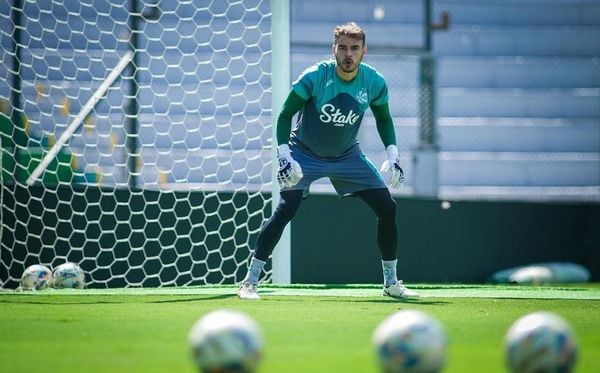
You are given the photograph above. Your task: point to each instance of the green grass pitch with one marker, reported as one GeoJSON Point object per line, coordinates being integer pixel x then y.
{"type": "Point", "coordinates": [307, 328]}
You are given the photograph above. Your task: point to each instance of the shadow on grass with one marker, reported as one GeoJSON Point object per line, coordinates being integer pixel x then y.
{"type": "Point", "coordinates": [382, 300]}
{"type": "Point", "coordinates": [206, 297]}
{"type": "Point", "coordinates": [54, 301]}
{"type": "Point", "coordinates": [402, 301]}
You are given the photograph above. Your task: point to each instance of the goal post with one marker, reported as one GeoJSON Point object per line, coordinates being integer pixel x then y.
{"type": "Point", "coordinates": [281, 85]}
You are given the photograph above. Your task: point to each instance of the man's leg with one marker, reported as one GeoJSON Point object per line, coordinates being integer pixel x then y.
{"type": "Point", "coordinates": [381, 202]}
{"type": "Point", "coordinates": [271, 231]}
{"type": "Point", "coordinates": [268, 237]}
{"type": "Point", "coordinates": [384, 207]}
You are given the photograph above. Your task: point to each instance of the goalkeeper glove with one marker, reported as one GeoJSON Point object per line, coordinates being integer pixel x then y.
{"type": "Point", "coordinates": [393, 164]}
{"type": "Point", "coordinates": [290, 172]}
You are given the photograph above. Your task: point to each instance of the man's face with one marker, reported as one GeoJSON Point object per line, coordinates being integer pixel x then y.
{"type": "Point", "coordinates": [348, 53]}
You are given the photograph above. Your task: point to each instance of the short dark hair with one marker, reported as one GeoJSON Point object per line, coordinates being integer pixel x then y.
{"type": "Point", "coordinates": [350, 29]}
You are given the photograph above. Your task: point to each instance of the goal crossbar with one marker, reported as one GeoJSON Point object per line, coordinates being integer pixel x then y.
{"type": "Point", "coordinates": [87, 108]}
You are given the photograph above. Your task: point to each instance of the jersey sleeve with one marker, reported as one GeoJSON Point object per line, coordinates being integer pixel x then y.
{"type": "Point", "coordinates": [385, 124]}
{"type": "Point", "coordinates": [291, 106]}
{"type": "Point", "coordinates": [304, 85]}
{"type": "Point", "coordinates": [380, 91]}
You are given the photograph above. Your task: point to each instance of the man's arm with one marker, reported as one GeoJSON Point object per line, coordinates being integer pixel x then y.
{"type": "Point", "coordinates": [291, 106]}
{"type": "Point", "coordinates": [385, 125]}
{"type": "Point", "coordinates": [289, 172]}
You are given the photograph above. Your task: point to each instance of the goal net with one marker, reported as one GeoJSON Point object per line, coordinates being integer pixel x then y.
{"type": "Point", "coordinates": [160, 177]}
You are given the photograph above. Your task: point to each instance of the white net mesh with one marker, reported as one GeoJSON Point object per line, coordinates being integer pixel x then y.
{"type": "Point", "coordinates": [167, 180]}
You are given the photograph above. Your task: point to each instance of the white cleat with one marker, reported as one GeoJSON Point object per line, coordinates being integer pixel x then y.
{"type": "Point", "coordinates": [248, 291]}
{"type": "Point", "coordinates": [399, 291]}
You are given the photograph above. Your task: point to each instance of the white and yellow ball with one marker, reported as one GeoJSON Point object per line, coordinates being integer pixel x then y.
{"type": "Point", "coordinates": [410, 341]}
{"type": "Point", "coordinates": [36, 277]}
{"type": "Point", "coordinates": [226, 340]}
{"type": "Point", "coordinates": [68, 275]}
{"type": "Point", "coordinates": [540, 342]}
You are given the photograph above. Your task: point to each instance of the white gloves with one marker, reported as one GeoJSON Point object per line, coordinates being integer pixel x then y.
{"type": "Point", "coordinates": [290, 172]}
{"type": "Point", "coordinates": [393, 164]}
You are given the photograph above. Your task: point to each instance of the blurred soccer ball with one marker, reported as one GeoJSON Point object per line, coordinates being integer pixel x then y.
{"type": "Point", "coordinates": [540, 342]}
{"type": "Point", "coordinates": [68, 275]}
{"type": "Point", "coordinates": [410, 341]}
{"type": "Point", "coordinates": [226, 340]}
{"type": "Point", "coordinates": [36, 277]}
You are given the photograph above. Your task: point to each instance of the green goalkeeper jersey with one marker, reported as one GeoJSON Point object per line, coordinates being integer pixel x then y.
{"type": "Point", "coordinates": [329, 121]}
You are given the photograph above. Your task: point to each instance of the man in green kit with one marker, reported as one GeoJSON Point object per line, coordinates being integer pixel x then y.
{"type": "Point", "coordinates": [332, 97]}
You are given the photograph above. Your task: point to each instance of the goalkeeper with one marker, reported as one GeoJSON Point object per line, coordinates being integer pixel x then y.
{"type": "Point", "coordinates": [331, 98]}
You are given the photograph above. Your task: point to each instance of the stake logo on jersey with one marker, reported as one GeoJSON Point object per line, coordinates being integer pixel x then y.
{"type": "Point", "coordinates": [333, 115]}
{"type": "Point", "coordinates": [328, 123]}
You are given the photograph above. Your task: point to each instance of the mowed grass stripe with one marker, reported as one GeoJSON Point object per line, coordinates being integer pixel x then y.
{"type": "Point", "coordinates": [585, 291]}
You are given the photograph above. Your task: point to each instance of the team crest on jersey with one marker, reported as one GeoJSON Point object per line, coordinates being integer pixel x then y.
{"type": "Point", "coordinates": [362, 96]}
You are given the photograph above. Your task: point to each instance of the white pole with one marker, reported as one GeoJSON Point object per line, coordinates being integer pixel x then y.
{"type": "Point", "coordinates": [280, 62]}
{"type": "Point", "coordinates": [97, 96]}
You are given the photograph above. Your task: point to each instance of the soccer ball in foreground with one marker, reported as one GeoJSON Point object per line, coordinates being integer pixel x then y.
{"type": "Point", "coordinates": [68, 275]}
{"type": "Point", "coordinates": [410, 341]}
{"type": "Point", "coordinates": [36, 277]}
{"type": "Point", "coordinates": [226, 340]}
{"type": "Point", "coordinates": [540, 342]}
